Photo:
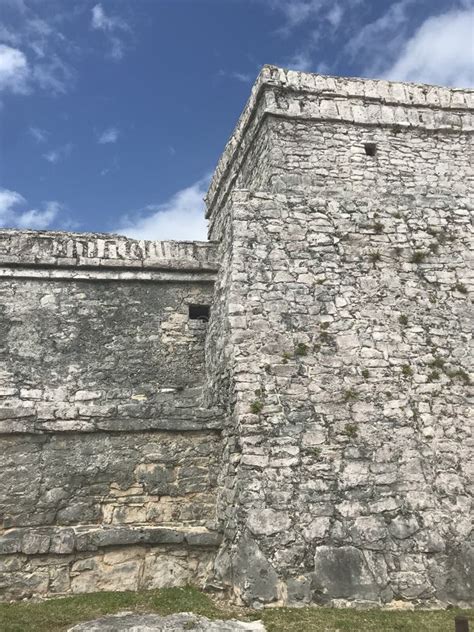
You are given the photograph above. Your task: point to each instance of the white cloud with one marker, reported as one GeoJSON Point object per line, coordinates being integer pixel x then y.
{"type": "Point", "coordinates": [104, 22]}
{"type": "Point", "coordinates": [14, 70]}
{"type": "Point", "coordinates": [32, 53]}
{"type": "Point", "coordinates": [335, 15]}
{"type": "Point", "coordinates": [301, 61]}
{"type": "Point", "coordinates": [300, 12]}
{"type": "Point", "coordinates": [325, 18]}
{"type": "Point", "coordinates": [378, 41]}
{"type": "Point", "coordinates": [8, 199]}
{"type": "Point", "coordinates": [56, 155]}
{"type": "Point", "coordinates": [244, 77]}
{"type": "Point", "coordinates": [113, 166]}
{"type": "Point", "coordinates": [111, 26]}
{"type": "Point", "coordinates": [117, 48]}
{"type": "Point", "coordinates": [52, 75]}
{"type": "Point", "coordinates": [181, 217]}
{"type": "Point", "coordinates": [109, 135]}
{"type": "Point", "coordinates": [19, 76]}
{"type": "Point", "coordinates": [38, 220]}
{"type": "Point", "coordinates": [241, 76]}
{"type": "Point", "coordinates": [440, 52]}
{"type": "Point", "coordinates": [297, 12]}
{"type": "Point", "coordinates": [40, 135]}
{"type": "Point", "coordinates": [9, 36]}
{"type": "Point", "coordinates": [13, 216]}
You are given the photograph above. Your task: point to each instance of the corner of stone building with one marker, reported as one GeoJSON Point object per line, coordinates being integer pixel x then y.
{"type": "Point", "coordinates": [339, 273]}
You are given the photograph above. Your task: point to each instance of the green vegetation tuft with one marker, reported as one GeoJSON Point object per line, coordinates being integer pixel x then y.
{"type": "Point", "coordinates": [301, 349]}
{"type": "Point", "coordinates": [437, 363]}
{"type": "Point", "coordinates": [461, 374]}
{"type": "Point", "coordinates": [350, 395]}
{"type": "Point", "coordinates": [433, 376]}
{"type": "Point", "coordinates": [407, 371]}
{"type": "Point", "coordinates": [418, 256]}
{"type": "Point", "coordinates": [461, 288]}
{"type": "Point", "coordinates": [285, 357]}
{"type": "Point", "coordinates": [325, 337]}
{"type": "Point", "coordinates": [351, 430]}
{"type": "Point", "coordinates": [256, 407]}
{"type": "Point", "coordinates": [377, 228]}
{"type": "Point", "coordinates": [315, 451]}
{"type": "Point", "coordinates": [375, 256]}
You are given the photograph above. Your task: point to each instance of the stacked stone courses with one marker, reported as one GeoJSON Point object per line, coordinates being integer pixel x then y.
{"type": "Point", "coordinates": [108, 459]}
{"type": "Point", "coordinates": [311, 443]}
{"type": "Point", "coordinates": [339, 343]}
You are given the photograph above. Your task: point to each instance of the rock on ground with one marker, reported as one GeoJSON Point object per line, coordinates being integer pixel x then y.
{"type": "Point", "coordinates": [182, 622]}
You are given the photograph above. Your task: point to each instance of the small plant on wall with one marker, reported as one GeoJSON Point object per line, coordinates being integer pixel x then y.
{"type": "Point", "coordinates": [256, 407]}
{"type": "Point", "coordinates": [350, 395]}
{"type": "Point", "coordinates": [375, 257]}
{"type": "Point", "coordinates": [351, 430]}
{"type": "Point", "coordinates": [418, 256]}
{"type": "Point", "coordinates": [407, 371]}
{"type": "Point", "coordinates": [301, 349]}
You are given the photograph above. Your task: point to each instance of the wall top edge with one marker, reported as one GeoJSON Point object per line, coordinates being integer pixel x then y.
{"type": "Point", "coordinates": [285, 77]}
{"type": "Point", "coordinates": [66, 249]}
{"type": "Point", "coordinates": [366, 92]}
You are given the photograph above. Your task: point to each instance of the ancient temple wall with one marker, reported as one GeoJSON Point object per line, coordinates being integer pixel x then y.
{"type": "Point", "coordinates": [108, 457]}
{"type": "Point", "coordinates": [344, 327]}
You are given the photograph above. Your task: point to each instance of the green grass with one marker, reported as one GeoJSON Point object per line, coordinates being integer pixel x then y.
{"type": "Point", "coordinates": [348, 620]}
{"type": "Point", "coordinates": [57, 615]}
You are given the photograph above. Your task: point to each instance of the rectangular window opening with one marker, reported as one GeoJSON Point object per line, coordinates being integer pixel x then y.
{"type": "Point", "coordinates": [370, 149]}
{"type": "Point", "coordinates": [199, 312]}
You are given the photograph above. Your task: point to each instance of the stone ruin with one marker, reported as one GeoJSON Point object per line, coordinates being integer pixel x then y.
{"type": "Point", "coordinates": [280, 412]}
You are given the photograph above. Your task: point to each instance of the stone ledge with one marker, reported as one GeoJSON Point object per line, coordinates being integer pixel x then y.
{"type": "Point", "coordinates": [169, 424]}
{"type": "Point", "coordinates": [67, 540]}
{"type": "Point", "coordinates": [26, 248]}
{"type": "Point", "coordinates": [173, 410]}
{"type": "Point", "coordinates": [37, 271]}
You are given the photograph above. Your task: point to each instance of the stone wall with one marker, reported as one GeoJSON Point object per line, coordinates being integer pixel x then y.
{"type": "Point", "coordinates": [108, 457]}
{"type": "Point", "coordinates": [340, 341]}
{"type": "Point", "coordinates": [311, 443]}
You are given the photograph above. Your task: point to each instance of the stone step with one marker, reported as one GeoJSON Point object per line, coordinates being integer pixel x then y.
{"type": "Point", "coordinates": [67, 540]}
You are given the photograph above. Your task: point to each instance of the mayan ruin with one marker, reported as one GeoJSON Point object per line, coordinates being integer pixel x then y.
{"type": "Point", "coordinates": [279, 413]}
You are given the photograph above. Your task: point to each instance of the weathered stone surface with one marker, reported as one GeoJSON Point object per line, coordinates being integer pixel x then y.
{"type": "Point", "coordinates": [343, 572]}
{"type": "Point", "coordinates": [125, 567]}
{"type": "Point", "coordinates": [124, 622]}
{"type": "Point", "coordinates": [321, 416]}
{"type": "Point", "coordinates": [105, 479]}
{"type": "Point", "coordinates": [339, 338]}
{"type": "Point", "coordinates": [254, 577]}
{"type": "Point", "coordinates": [105, 443]}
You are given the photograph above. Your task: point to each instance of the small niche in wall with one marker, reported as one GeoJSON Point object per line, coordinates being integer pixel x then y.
{"type": "Point", "coordinates": [370, 149]}
{"type": "Point", "coordinates": [199, 312]}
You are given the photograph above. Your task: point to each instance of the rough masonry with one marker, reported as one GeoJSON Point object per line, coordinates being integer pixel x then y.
{"type": "Point", "coordinates": [311, 443]}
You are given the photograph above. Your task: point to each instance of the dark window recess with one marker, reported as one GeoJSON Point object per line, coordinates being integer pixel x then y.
{"type": "Point", "coordinates": [199, 312]}
{"type": "Point", "coordinates": [370, 149]}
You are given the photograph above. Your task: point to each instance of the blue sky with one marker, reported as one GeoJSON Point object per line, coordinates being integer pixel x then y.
{"type": "Point", "coordinates": [113, 114]}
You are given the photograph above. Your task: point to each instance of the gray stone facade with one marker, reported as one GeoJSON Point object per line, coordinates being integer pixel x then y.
{"type": "Point", "coordinates": [311, 443]}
